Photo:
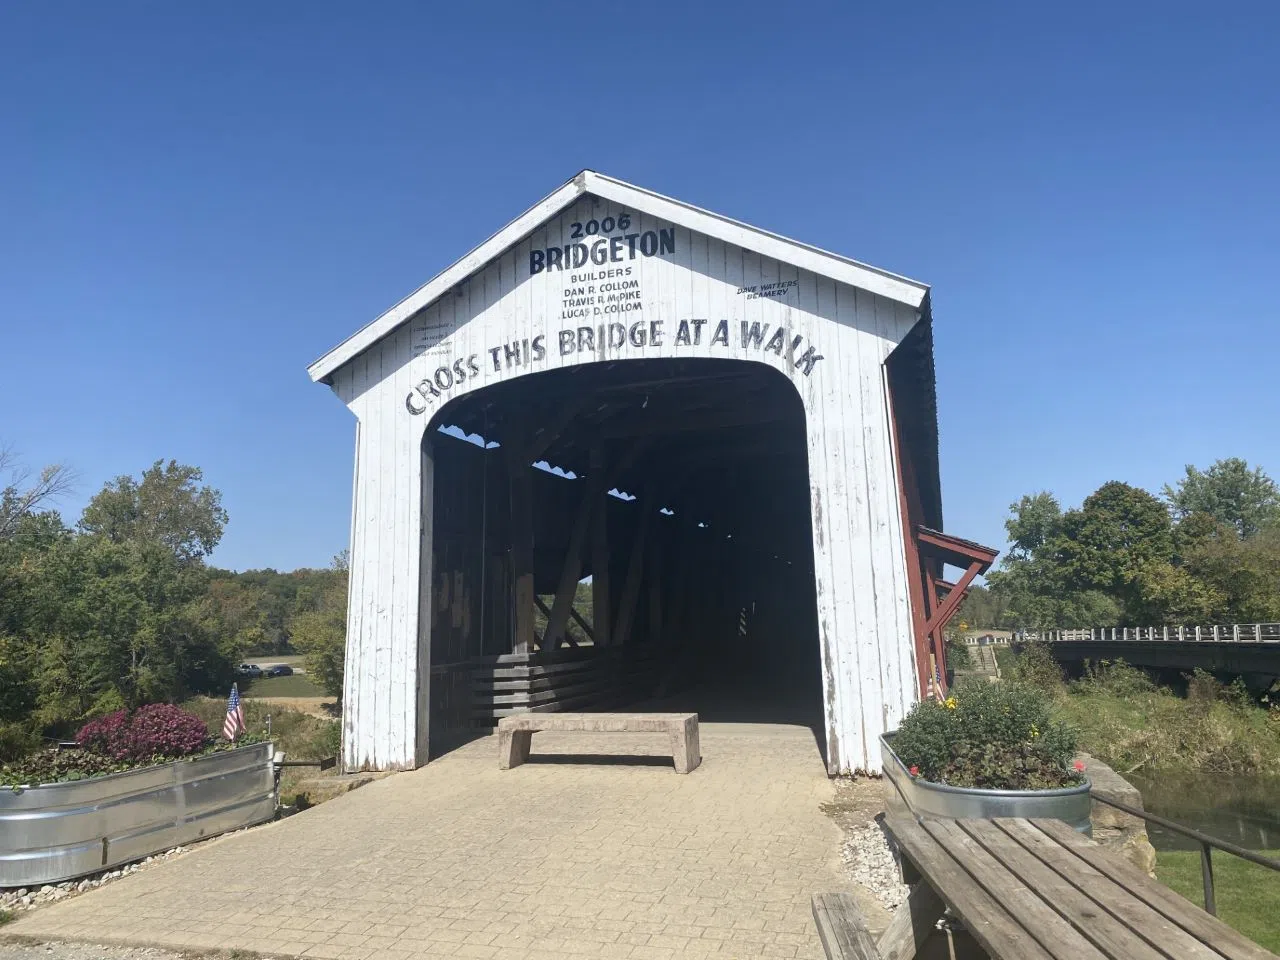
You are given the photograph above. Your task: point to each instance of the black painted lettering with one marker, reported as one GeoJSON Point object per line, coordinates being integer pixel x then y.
{"type": "Point", "coordinates": [753, 333]}
{"type": "Point", "coordinates": [443, 378]}
{"type": "Point", "coordinates": [579, 254]}
{"type": "Point", "coordinates": [667, 240]}
{"type": "Point", "coordinates": [655, 333]}
{"type": "Point", "coordinates": [586, 339]}
{"type": "Point", "coordinates": [511, 354]}
{"type": "Point", "coordinates": [540, 346]}
{"type": "Point", "coordinates": [637, 334]}
{"type": "Point", "coordinates": [617, 336]}
{"type": "Point", "coordinates": [697, 332]}
{"type": "Point", "coordinates": [631, 239]}
{"type": "Point", "coordinates": [497, 364]}
{"type": "Point", "coordinates": [615, 249]}
{"type": "Point", "coordinates": [536, 261]}
{"type": "Point", "coordinates": [648, 243]}
{"type": "Point", "coordinates": [777, 341]}
{"type": "Point", "coordinates": [555, 258]}
{"type": "Point", "coordinates": [600, 252]}
{"type": "Point", "coordinates": [808, 359]}
{"type": "Point", "coordinates": [412, 407]}
{"type": "Point", "coordinates": [568, 342]}
{"type": "Point", "coordinates": [682, 334]}
{"type": "Point", "coordinates": [722, 333]}
{"type": "Point", "coordinates": [472, 367]}
{"type": "Point", "coordinates": [459, 370]}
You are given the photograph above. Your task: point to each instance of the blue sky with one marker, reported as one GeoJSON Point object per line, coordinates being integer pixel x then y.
{"type": "Point", "coordinates": [196, 200]}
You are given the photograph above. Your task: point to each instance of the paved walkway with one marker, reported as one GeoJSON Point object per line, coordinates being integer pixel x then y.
{"type": "Point", "coordinates": [549, 860]}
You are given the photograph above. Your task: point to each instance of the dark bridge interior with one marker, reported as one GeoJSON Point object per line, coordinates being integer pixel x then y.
{"type": "Point", "coordinates": [660, 548]}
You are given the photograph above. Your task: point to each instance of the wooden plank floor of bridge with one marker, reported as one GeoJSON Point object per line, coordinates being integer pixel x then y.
{"type": "Point", "coordinates": [989, 923]}
{"type": "Point", "coordinates": [1100, 909]}
{"type": "Point", "coordinates": [1180, 911]}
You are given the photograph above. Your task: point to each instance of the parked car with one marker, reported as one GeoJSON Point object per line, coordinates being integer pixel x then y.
{"type": "Point", "coordinates": [250, 670]}
{"type": "Point", "coordinates": [280, 670]}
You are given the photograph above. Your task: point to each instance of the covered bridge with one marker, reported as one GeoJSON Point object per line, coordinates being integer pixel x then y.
{"type": "Point", "coordinates": [629, 448]}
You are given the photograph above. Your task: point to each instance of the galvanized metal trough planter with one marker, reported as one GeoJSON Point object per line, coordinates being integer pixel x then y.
{"type": "Point", "coordinates": [925, 799]}
{"type": "Point", "coordinates": [60, 831]}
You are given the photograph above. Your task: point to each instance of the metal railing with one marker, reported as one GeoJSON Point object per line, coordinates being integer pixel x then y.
{"type": "Point", "coordinates": [1215, 633]}
{"type": "Point", "coordinates": [1207, 845]}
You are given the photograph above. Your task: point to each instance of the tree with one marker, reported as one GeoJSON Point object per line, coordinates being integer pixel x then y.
{"type": "Point", "coordinates": [167, 506]}
{"type": "Point", "coordinates": [1229, 492]}
{"type": "Point", "coordinates": [1117, 529]}
{"type": "Point", "coordinates": [1033, 522]}
{"type": "Point", "coordinates": [27, 495]}
{"type": "Point", "coordinates": [115, 626]}
{"type": "Point", "coordinates": [1245, 574]}
{"type": "Point", "coordinates": [320, 632]}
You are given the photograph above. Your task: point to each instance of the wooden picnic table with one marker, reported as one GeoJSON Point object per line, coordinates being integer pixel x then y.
{"type": "Point", "coordinates": [1030, 890]}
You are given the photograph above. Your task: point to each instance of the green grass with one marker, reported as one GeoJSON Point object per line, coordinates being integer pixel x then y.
{"type": "Point", "coordinates": [1005, 657]}
{"type": "Point", "coordinates": [5, 917]}
{"type": "Point", "coordinates": [295, 686]}
{"type": "Point", "coordinates": [1248, 896]}
{"type": "Point", "coordinates": [300, 735]}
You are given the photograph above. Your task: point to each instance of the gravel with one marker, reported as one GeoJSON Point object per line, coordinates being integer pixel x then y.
{"type": "Point", "coordinates": [58, 950]}
{"type": "Point", "coordinates": [15, 900]}
{"type": "Point", "coordinates": [871, 860]}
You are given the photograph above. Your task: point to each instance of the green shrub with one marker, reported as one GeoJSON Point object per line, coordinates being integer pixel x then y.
{"type": "Point", "coordinates": [1114, 677]}
{"type": "Point", "coordinates": [958, 656]}
{"type": "Point", "coordinates": [17, 740]}
{"type": "Point", "coordinates": [998, 736]}
{"type": "Point", "coordinates": [1034, 666]}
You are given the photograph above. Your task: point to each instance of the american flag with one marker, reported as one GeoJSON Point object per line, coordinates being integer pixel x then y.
{"type": "Point", "coordinates": [233, 726]}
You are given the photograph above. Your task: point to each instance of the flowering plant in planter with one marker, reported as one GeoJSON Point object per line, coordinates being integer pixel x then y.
{"type": "Point", "coordinates": [120, 741]}
{"type": "Point", "coordinates": [994, 736]}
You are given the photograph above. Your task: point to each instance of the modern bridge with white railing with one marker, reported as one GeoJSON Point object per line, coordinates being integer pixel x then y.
{"type": "Point", "coordinates": [1216, 633]}
{"type": "Point", "coordinates": [1249, 650]}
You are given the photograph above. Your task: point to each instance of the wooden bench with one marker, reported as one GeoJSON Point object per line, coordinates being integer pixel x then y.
{"type": "Point", "coordinates": [1029, 890]}
{"type": "Point", "coordinates": [515, 734]}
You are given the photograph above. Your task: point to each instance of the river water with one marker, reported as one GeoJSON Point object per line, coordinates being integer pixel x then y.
{"type": "Point", "coordinates": [1242, 809]}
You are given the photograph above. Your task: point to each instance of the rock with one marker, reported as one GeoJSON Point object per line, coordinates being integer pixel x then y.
{"type": "Point", "coordinates": [873, 862]}
{"type": "Point", "coordinates": [46, 889]}
{"type": "Point", "coordinates": [1119, 831]}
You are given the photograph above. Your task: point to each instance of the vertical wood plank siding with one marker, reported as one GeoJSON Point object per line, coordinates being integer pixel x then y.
{"type": "Point", "coordinates": [864, 611]}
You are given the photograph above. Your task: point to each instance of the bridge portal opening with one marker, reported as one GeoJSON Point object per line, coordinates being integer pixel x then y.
{"type": "Point", "coordinates": [621, 533]}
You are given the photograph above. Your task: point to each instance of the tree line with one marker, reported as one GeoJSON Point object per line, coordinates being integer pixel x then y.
{"type": "Point", "coordinates": [122, 609]}
{"type": "Point", "coordinates": [1206, 550]}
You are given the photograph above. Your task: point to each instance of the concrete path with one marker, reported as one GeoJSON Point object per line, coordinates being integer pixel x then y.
{"type": "Point", "coordinates": [564, 856]}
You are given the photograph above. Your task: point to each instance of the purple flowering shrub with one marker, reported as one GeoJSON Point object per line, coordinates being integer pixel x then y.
{"type": "Point", "coordinates": [106, 735]}
{"type": "Point", "coordinates": [155, 730]}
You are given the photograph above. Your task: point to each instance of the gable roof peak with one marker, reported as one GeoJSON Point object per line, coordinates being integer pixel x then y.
{"type": "Point", "coordinates": [587, 181]}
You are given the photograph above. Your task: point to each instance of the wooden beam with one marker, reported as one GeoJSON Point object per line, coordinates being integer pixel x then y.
{"type": "Point", "coordinates": [948, 606]}
{"type": "Point", "coordinates": [600, 555]}
{"type": "Point", "coordinates": [911, 511]}
{"type": "Point", "coordinates": [635, 567]}
{"type": "Point", "coordinates": [547, 642]}
{"type": "Point", "coordinates": [520, 481]}
{"type": "Point", "coordinates": [736, 418]}
{"type": "Point", "coordinates": [548, 434]}
{"type": "Point", "coordinates": [571, 573]}
{"type": "Point", "coordinates": [598, 482]}
{"type": "Point", "coordinates": [842, 929]}
{"type": "Point", "coordinates": [913, 923]}
{"type": "Point", "coordinates": [655, 587]}
{"type": "Point", "coordinates": [586, 627]}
